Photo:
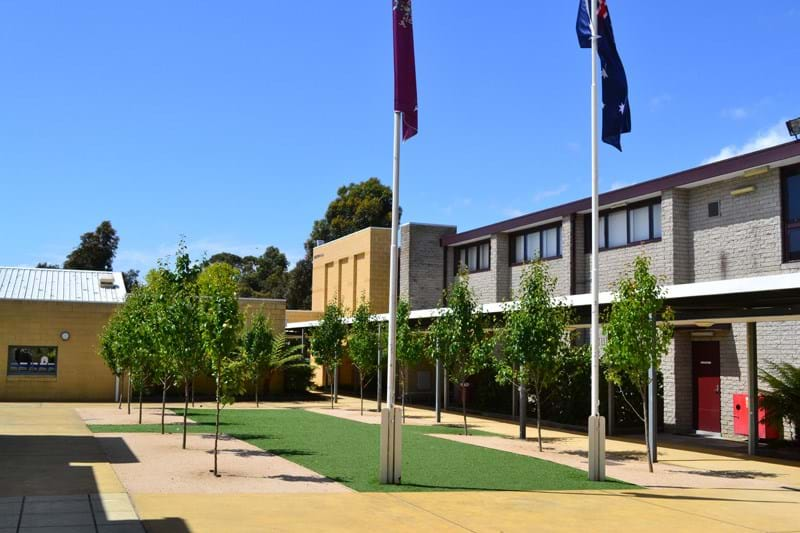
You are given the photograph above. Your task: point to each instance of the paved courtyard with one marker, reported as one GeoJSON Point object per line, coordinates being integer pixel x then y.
{"type": "Point", "coordinates": [53, 470]}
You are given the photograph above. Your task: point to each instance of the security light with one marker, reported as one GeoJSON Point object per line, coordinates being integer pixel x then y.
{"type": "Point", "coordinates": [794, 127]}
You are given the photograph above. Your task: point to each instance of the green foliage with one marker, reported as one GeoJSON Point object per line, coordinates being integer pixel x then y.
{"type": "Point", "coordinates": [220, 322]}
{"type": "Point", "coordinates": [782, 399]}
{"type": "Point", "coordinates": [298, 378]}
{"type": "Point", "coordinates": [535, 337]}
{"type": "Point", "coordinates": [638, 327]}
{"type": "Point", "coordinates": [362, 341]}
{"type": "Point", "coordinates": [96, 250]}
{"type": "Point", "coordinates": [356, 206]}
{"type": "Point", "coordinates": [265, 276]}
{"type": "Point", "coordinates": [265, 353]}
{"type": "Point", "coordinates": [458, 334]}
{"type": "Point", "coordinates": [459, 337]}
{"type": "Point", "coordinates": [327, 340]}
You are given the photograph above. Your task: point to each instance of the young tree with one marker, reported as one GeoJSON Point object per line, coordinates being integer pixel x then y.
{"type": "Point", "coordinates": [464, 346]}
{"type": "Point", "coordinates": [138, 319]}
{"type": "Point", "coordinates": [112, 350]}
{"type": "Point", "coordinates": [220, 323]}
{"type": "Point", "coordinates": [327, 341]}
{"type": "Point", "coordinates": [410, 349]}
{"type": "Point", "coordinates": [362, 344]}
{"type": "Point", "coordinates": [164, 357]}
{"type": "Point", "coordinates": [257, 342]}
{"type": "Point", "coordinates": [534, 341]}
{"type": "Point", "coordinates": [639, 331]}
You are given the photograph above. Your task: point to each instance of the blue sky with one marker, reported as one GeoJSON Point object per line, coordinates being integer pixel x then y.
{"type": "Point", "coordinates": [233, 123]}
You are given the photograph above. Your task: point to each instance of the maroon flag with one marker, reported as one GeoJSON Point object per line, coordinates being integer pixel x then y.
{"type": "Point", "coordinates": [405, 72]}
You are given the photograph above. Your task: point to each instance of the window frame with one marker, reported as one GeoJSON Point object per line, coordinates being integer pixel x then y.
{"type": "Point", "coordinates": [38, 374]}
{"type": "Point", "coordinates": [587, 225]}
{"type": "Point", "coordinates": [786, 226]}
{"type": "Point", "coordinates": [477, 245]}
{"type": "Point", "coordinates": [512, 238]}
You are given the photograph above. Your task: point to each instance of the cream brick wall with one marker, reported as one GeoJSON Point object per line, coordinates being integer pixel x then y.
{"type": "Point", "coordinates": [351, 267]}
{"type": "Point", "coordinates": [81, 373]}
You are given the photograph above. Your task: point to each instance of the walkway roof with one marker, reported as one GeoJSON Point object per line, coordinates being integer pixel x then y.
{"type": "Point", "coordinates": [757, 299]}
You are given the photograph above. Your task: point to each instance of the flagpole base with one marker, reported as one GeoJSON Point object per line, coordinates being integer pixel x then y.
{"type": "Point", "coordinates": [391, 446]}
{"type": "Point", "coordinates": [597, 448]}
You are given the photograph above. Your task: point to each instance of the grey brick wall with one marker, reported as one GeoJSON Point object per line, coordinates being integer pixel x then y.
{"type": "Point", "coordinates": [745, 240]}
{"type": "Point", "coordinates": [676, 368]}
{"type": "Point", "coordinates": [422, 264]}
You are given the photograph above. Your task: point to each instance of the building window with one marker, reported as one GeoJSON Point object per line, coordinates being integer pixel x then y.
{"type": "Point", "coordinates": [628, 225]}
{"type": "Point", "coordinates": [542, 243]}
{"type": "Point", "coordinates": [713, 209]}
{"type": "Point", "coordinates": [32, 360]}
{"type": "Point", "coordinates": [791, 212]}
{"type": "Point", "coordinates": [476, 257]}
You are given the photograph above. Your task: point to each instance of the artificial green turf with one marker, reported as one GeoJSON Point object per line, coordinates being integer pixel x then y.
{"type": "Point", "coordinates": [347, 451]}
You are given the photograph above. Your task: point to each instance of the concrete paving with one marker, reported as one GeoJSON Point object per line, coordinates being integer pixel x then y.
{"type": "Point", "coordinates": [749, 507]}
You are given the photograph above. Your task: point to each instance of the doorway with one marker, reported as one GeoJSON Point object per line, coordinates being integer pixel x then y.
{"type": "Point", "coordinates": [705, 372]}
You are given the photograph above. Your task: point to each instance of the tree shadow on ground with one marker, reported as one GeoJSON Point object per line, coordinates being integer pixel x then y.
{"type": "Point", "coordinates": [611, 457]}
{"type": "Point", "coordinates": [308, 479]}
{"type": "Point", "coordinates": [732, 474]}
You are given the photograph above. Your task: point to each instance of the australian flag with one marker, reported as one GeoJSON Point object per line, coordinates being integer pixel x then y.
{"type": "Point", "coordinates": [616, 108]}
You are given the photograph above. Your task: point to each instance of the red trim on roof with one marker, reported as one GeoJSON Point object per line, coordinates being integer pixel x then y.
{"type": "Point", "coordinates": [704, 172]}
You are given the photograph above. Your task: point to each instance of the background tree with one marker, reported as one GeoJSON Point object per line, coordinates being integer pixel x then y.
{"type": "Point", "coordinates": [362, 345]}
{"type": "Point", "coordinates": [356, 206]}
{"type": "Point", "coordinates": [327, 341]}
{"type": "Point", "coordinates": [535, 340]}
{"type": "Point", "coordinates": [220, 322]}
{"type": "Point", "coordinates": [410, 349]}
{"type": "Point", "coordinates": [782, 399]}
{"type": "Point", "coordinates": [638, 330]}
{"type": "Point", "coordinates": [96, 250]}
{"type": "Point", "coordinates": [45, 264]}
{"type": "Point", "coordinates": [458, 333]}
{"type": "Point", "coordinates": [266, 276]}
{"type": "Point", "coordinates": [131, 279]}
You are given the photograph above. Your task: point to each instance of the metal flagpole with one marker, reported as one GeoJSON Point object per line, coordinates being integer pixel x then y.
{"type": "Point", "coordinates": [597, 428]}
{"type": "Point", "coordinates": [391, 419]}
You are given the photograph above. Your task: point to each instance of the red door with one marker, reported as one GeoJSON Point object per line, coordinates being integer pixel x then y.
{"type": "Point", "coordinates": [705, 367]}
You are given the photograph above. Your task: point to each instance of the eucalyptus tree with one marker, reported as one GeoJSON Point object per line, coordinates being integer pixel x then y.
{"type": "Point", "coordinates": [410, 349]}
{"type": "Point", "coordinates": [220, 322]}
{"type": "Point", "coordinates": [362, 345]}
{"type": "Point", "coordinates": [638, 329]}
{"type": "Point", "coordinates": [327, 341]}
{"type": "Point", "coordinates": [535, 341]}
{"type": "Point", "coordinates": [459, 333]}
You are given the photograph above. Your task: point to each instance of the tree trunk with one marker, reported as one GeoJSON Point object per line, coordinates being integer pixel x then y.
{"type": "Point", "coordinates": [163, 403]}
{"type": "Point", "coordinates": [121, 384]}
{"type": "Point", "coordinates": [192, 391]}
{"type": "Point", "coordinates": [216, 431]}
{"type": "Point", "coordinates": [330, 378]}
{"type": "Point", "coordinates": [403, 401]}
{"type": "Point", "coordinates": [140, 404]}
{"type": "Point", "coordinates": [255, 386]}
{"type": "Point", "coordinates": [361, 382]}
{"type": "Point", "coordinates": [523, 412]}
{"type": "Point", "coordinates": [185, 408]}
{"type": "Point", "coordinates": [539, 417]}
{"type": "Point", "coordinates": [647, 436]}
{"type": "Point", "coordinates": [129, 393]}
{"type": "Point", "coordinates": [464, 405]}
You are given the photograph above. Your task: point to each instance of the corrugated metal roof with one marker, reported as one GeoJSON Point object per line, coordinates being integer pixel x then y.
{"type": "Point", "coordinates": [57, 285]}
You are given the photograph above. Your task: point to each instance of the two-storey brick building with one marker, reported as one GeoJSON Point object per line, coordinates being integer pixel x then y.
{"type": "Point", "coordinates": [734, 219]}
